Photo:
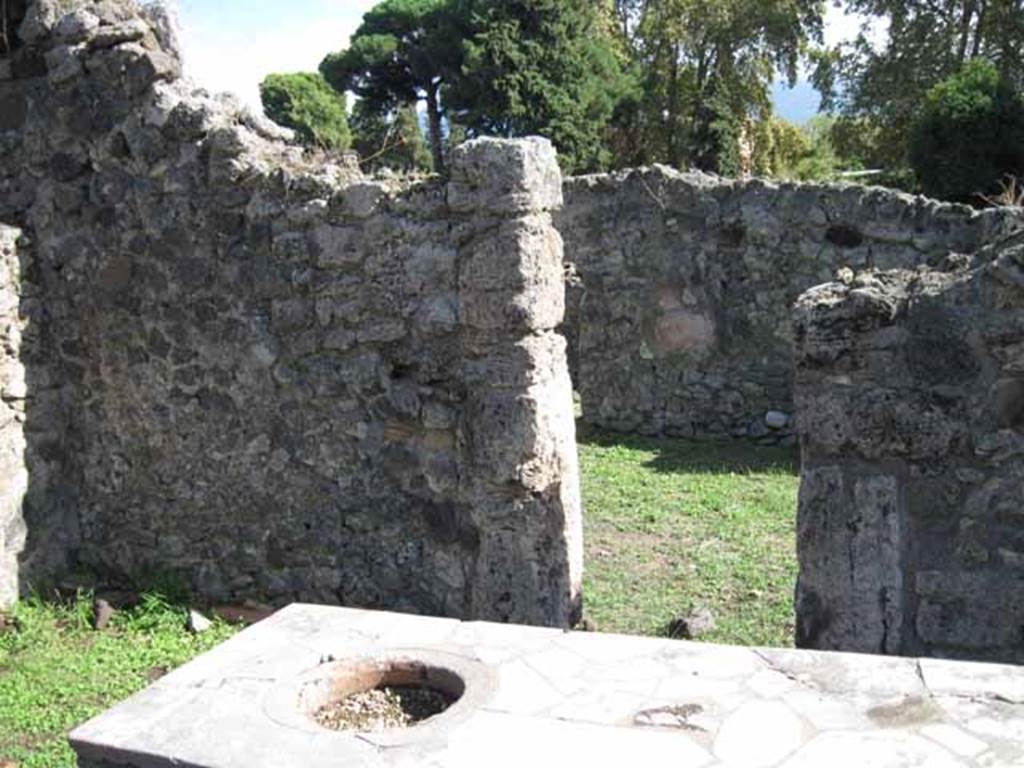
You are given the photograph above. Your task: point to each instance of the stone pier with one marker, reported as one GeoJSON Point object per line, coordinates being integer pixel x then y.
{"type": "Point", "coordinates": [910, 394]}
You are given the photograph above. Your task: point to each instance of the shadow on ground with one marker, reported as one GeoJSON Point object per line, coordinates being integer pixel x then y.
{"type": "Point", "coordinates": [673, 455]}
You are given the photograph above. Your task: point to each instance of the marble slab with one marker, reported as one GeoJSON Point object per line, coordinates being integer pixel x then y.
{"type": "Point", "coordinates": [538, 697]}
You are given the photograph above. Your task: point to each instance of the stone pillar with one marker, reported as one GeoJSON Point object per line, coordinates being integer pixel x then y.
{"type": "Point", "coordinates": [517, 435]}
{"type": "Point", "coordinates": [910, 402]}
{"type": "Point", "coordinates": [13, 473]}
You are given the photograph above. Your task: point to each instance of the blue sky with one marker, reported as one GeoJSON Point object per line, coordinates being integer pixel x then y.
{"type": "Point", "coordinates": [231, 45]}
{"type": "Point", "coordinates": [798, 104]}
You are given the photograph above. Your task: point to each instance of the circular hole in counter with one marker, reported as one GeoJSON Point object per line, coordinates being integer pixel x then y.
{"type": "Point", "coordinates": [375, 695]}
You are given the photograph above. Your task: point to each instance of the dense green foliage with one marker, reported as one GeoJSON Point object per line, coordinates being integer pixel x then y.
{"type": "Point", "coordinates": [619, 83]}
{"type": "Point", "coordinates": [970, 134]}
{"type": "Point", "coordinates": [879, 88]}
{"type": "Point", "coordinates": [544, 67]}
{"type": "Point", "coordinates": [490, 67]}
{"type": "Point", "coordinates": [707, 67]}
{"type": "Point", "coordinates": [787, 151]}
{"type": "Point", "coordinates": [614, 82]}
{"type": "Point", "coordinates": [305, 103]}
{"type": "Point", "coordinates": [390, 141]}
{"type": "Point", "coordinates": [402, 53]}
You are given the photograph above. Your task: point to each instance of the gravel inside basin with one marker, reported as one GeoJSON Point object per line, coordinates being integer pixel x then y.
{"type": "Point", "coordinates": [382, 708]}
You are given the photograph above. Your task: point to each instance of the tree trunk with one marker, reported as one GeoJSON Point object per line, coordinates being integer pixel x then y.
{"type": "Point", "coordinates": [434, 123]}
{"type": "Point", "coordinates": [698, 117]}
{"type": "Point", "coordinates": [965, 30]}
{"type": "Point", "coordinates": [5, 43]}
{"type": "Point", "coordinates": [672, 121]}
{"type": "Point", "coordinates": [980, 33]}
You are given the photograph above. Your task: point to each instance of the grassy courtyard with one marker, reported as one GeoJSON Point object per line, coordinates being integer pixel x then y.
{"type": "Point", "coordinates": [670, 527]}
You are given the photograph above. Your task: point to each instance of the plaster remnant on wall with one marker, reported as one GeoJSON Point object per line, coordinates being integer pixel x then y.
{"type": "Point", "coordinates": [13, 392]}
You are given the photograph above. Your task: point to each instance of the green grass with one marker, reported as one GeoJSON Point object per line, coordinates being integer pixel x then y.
{"type": "Point", "coordinates": [56, 672]}
{"type": "Point", "coordinates": [671, 526]}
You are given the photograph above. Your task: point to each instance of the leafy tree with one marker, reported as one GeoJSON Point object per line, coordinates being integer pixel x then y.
{"type": "Point", "coordinates": [390, 141]}
{"type": "Point", "coordinates": [717, 127]}
{"type": "Point", "coordinates": [412, 149]}
{"type": "Point", "coordinates": [822, 160]}
{"type": "Point", "coordinates": [549, 67]}
{"type": "Point", "coordinates": [778, 147]}
{"type": "Point", "coordinates": [804, 152]}
{"type": "Point", "coordinates": [627, 13]}
{"type": "Point", "coordinates": [404, 52]}
{"type": "Point", "coordinates": [609, 81]}
{"type": "Point", "coordinates": [882, 86]}
{"type": "Point", "coordinates": [305, 103]}
{"type": "Point", "coordinates": [500, 67]}
{"type": "Point", "coordinates": [970, 134]}
{"type": "Point", "coordinates": [708, 66]}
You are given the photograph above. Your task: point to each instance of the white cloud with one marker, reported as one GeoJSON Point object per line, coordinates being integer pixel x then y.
{"type": "Point", "coordinates": [842, 27]}
{"type": "Point", "coordinates": [233, 48]}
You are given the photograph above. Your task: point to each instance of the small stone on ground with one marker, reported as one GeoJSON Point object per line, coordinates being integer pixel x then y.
{"type": "Point", "coordinates": [102, 613]}
{"type": "Point", "coordinates": [701, 622]}
{"type": "Point", "coordinates": [197, 623]}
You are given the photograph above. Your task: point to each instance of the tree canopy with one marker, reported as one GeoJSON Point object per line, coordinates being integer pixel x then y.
{"type": "Point", "coordinates": [402, 53]}
{"type": "Point", "coordinates": [306, 103]}
{"type": "Point", "coordinates": [970, 134]}
{"type": "Point", "coordinates": [611, 82]}
{"type": "Point", "coordinates": [707, 67]}
{"type": "Point", "coordinates": [507, 67]}
{"type": "Point", "coordinates": [618, 83]}
{"type": "Point", "coordinates": [390, 141]}
{"type": "Point", "coordinates": [545, 67]}
{"type": "Point", "coordinates": [926, 42]}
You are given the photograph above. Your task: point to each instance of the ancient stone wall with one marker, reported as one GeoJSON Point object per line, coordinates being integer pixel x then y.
{"type": "Point", "coordinates": [264, 374]}
{"type": "Point", "coordinates": [12, 416]}
{"type": "Point", "coordinates": [910, 401]}
{"type": "Point", "coordinates": [681, 287]}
